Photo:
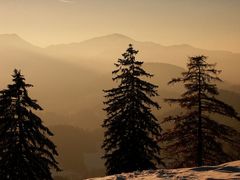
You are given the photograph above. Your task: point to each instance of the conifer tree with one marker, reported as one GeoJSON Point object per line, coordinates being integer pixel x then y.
{"type": "Point", "coordinates": [197, 137]}
{"type": "Point", "coordinates": [132, 130]}
{"type": "Point", "coordinates": [26, 152]}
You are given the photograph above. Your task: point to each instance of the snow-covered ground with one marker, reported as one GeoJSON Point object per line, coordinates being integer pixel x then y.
{"type": "Point", "coordinates": [227, 171]}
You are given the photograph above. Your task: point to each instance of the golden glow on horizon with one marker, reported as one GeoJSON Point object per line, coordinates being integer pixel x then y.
{"type": "Point", "coordinates": [205, 24]}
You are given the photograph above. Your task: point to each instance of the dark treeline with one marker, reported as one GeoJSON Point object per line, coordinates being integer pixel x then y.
{"type": "Point", "coordinates": [134, 139]}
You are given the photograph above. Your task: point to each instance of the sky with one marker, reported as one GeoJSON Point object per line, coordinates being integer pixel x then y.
{"type": "Point", "coordinates": [208, 24]}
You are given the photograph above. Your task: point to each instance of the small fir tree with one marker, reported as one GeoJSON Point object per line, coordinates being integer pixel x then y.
{"type": "Point", "coordinates": [132, 130]}
{"type": "Point", "coordinates": [26, 152]}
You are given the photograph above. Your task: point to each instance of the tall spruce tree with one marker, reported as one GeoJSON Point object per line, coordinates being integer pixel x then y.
{"type": "Point", "coordinates": [197, 138]}
{"type": "Point", "coordinates": [26, 152]}
{"type": "Point", "coordinates": [131, 129]}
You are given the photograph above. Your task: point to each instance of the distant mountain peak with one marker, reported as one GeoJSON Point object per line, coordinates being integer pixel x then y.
{"type": "Point", "coordinates": [118, 35]}
{"type": "Point", "coordinates": [182, 46]}
{"type": "Point", "coordinates": [14, 40]}
{"type": "Point", "coordinates": [12, 36]}
{"type": "Point", "coordinates": [113, 37]}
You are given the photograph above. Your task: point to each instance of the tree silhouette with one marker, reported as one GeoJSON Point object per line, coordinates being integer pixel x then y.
{"type": "Point", "coordinates": [131, 129]}
{"type": "Point", "coordinates": [196, 137]}
{"type": "Point", "coordinates": [26, 152]}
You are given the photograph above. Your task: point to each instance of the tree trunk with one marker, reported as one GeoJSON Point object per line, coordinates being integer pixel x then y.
{"type": "Point", "coordinates": [199, 132]}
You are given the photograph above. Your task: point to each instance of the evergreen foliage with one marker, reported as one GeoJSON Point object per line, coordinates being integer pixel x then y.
{"type": "Point", "coordinates": [132, 130]}
{"type": "Point", "coordinates": [197, 137]}
{"type": "Point", "coordinates": [26, 152]}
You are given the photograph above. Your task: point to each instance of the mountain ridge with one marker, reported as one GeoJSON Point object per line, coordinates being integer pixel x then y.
{"type": "Point", "coordinates": [102, 52]}
{"type": "Point", "coordinates": [118, 35]}
{"type": "Point", "coordinates": [15, 41]}
{"type": "Point", "coordinates": [15, 36]}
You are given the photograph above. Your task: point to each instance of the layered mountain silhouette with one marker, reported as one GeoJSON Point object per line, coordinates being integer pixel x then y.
{"type": "Point", "coordinates": [69, 78]}
{"type": "Point", "coordinates": [68, 81]}
{"type": "Point", "coordinates": [108, 48]}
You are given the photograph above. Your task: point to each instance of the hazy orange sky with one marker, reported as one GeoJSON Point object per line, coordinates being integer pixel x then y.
{"type": "Point", "coordinates": [209, 24]}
